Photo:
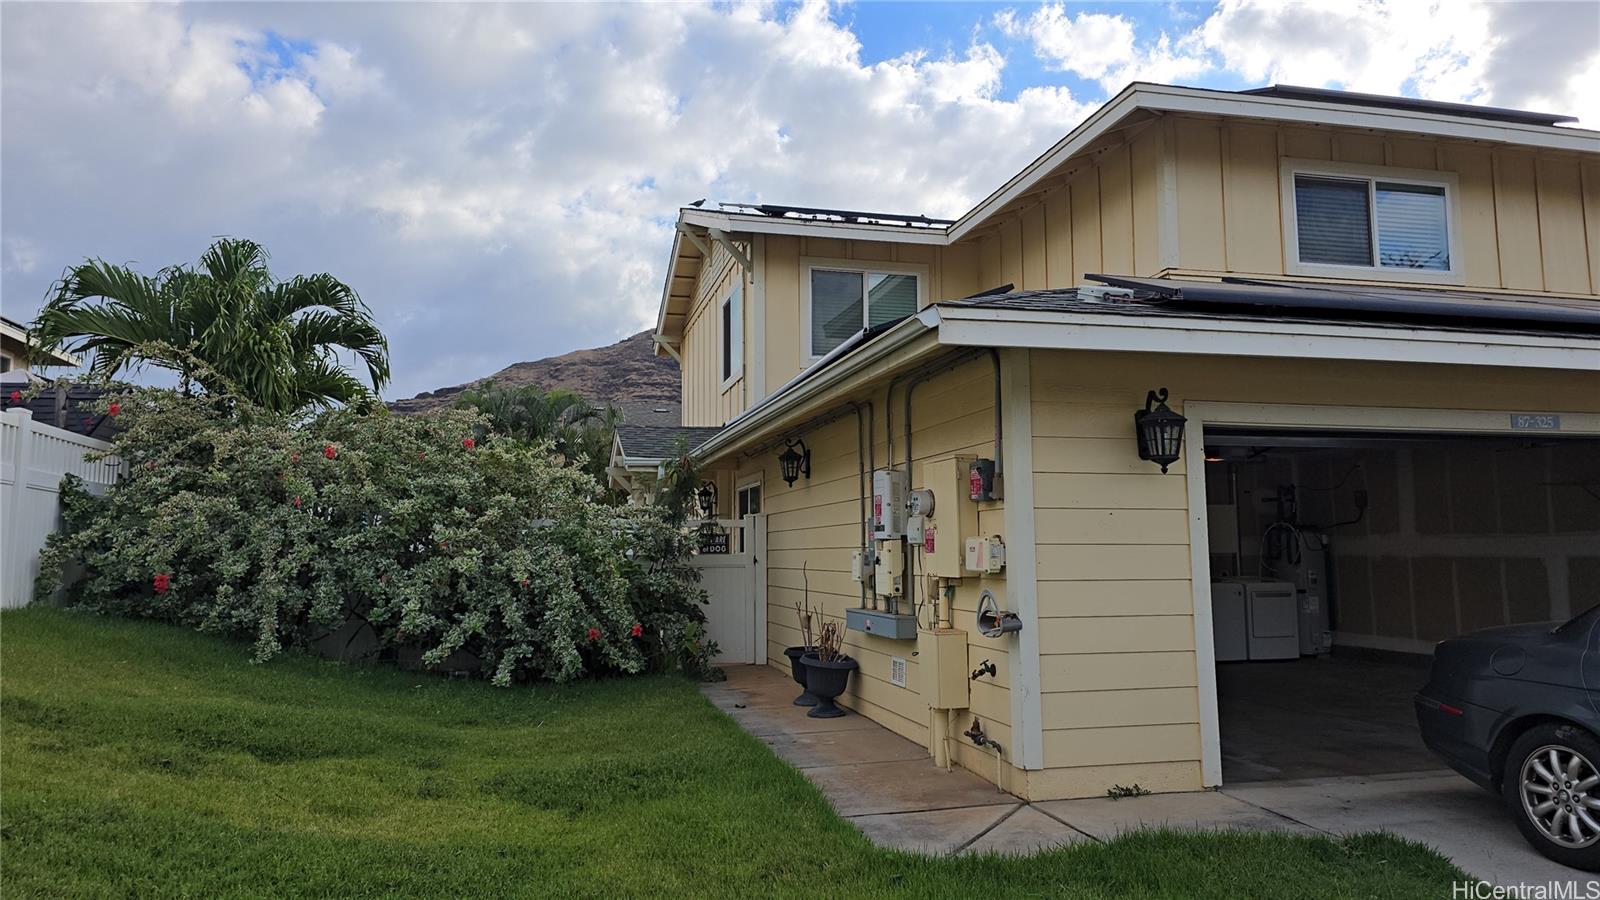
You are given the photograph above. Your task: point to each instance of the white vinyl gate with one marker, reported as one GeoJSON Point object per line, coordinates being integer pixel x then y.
{"type": "Point", "coordinates": [737, 584]}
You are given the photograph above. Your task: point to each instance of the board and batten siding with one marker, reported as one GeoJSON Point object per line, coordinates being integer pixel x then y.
{"type": "Point", "coordinates": [1118, 663]}
{"type": "Point", "coordinates": [1102, 216]}
{"type": "Point", "coordinates": [814, 526]}
{"type": "Point", "coordinates": [952, 273]}
{"type": "Point", "coordinates": [1528, 220]}
{"type": "Point", "coordinates": [1198, 196]}
{"type": "Point", "coordinates": [705, 400]}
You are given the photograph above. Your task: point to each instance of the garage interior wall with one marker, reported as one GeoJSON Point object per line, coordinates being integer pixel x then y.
{"type": "Point", "coordinates": [1456, 536]}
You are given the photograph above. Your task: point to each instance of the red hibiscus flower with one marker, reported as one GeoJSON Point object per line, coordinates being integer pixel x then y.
{"type": "Point", "coordinates": [594, 634]}
{"type": "Point", "coordinates": [16, 396]}
{"type": "Point", "coordinates": [114, 409]}
{"type": "Point", "coordinates": [468, 443]}
{"type": "Point", "coordinates": [523, 582]}
{"type": "Point", "coordinates": [296, 502]}
{"type": "Point", "coordinates": [162, 581]}
{"type": "Point", "coordinates": [637, 630]}
{"type": "Point", "coordinates": [329, 452]}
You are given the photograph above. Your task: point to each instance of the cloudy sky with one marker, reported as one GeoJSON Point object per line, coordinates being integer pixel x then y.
{"type": "Point", "coordinates": [499, 182]}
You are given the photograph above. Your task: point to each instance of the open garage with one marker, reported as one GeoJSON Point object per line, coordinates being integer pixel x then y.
{"type": "Point", "coordinates": [1339, 558]}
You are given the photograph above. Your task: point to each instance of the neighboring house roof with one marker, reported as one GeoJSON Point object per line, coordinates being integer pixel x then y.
{"type": "Point", "coordinates": [649, 444]}
{"type": "Point", "coordinates": [651, 412]}
{"type": "Point", "coordinates": [1137, 102]}
{"type": "Point", "coordinates": [70, 408]}
{"type": "Point", "coordinates": [18, 332]}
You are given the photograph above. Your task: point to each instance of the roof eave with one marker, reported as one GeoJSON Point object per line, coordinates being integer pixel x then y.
{"type": "Point", "coordinates": [1250, 336]}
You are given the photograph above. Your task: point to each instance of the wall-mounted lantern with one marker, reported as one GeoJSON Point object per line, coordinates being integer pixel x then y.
{"type": "Point", "coordinates": [795, 463]}
{"type": "Point", "coordinates": [707, 498]}
{"type": "Point", "coordinates": [1160, 430]}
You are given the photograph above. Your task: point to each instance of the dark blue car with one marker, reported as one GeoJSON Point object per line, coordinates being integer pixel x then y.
{"type": "Point", "coordinates": [1517, 710]}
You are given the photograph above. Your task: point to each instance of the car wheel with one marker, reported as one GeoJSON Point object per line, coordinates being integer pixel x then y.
{"type": "Point", "coordinates": [1551, 783]}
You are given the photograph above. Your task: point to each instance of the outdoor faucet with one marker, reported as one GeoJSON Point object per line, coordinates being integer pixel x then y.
{"type": "Point", "coordinates": [984, 668]}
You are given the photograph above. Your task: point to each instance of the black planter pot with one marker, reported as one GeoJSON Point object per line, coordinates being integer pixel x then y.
{"type": "Point", "coordinates": [806, 698]}
{"type": "Point", "coordinates": [825, 681]}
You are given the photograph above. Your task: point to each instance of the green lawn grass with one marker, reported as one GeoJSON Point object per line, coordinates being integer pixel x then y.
{"type": "Point", "coordinates": [140, 759]}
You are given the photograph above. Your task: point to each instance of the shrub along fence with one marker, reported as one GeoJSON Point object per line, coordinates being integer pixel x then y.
{"type": "Point", "coordinates": [417, 537]}
{"type": "Point", "coordinates": [33, 459]}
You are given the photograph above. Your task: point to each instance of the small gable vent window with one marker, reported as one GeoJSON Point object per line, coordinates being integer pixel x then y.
{"type": "Point", "coordinates": [1398, 226]}
{"type": "Point", "coordinates": [844, 302]}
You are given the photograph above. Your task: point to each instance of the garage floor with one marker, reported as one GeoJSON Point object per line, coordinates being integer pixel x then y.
{"type": "Point", "coordinates": [1319, 718]}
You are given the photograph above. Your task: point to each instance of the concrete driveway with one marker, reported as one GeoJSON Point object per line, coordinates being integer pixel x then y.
{"type": "Point", "coordinates": [1437, 808]}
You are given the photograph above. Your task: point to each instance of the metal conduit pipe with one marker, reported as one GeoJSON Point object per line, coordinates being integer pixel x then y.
{"type": "Point", "coordinates": [999, 454]}
{"type": "Point", "coordinates": [864, 428]}
{"type": "Point", "coordinates": [925, 374]}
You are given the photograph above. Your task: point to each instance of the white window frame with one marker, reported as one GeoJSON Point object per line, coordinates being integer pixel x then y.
{"type": "Point", "coordinates": [865, 267]}
{"type": "Point", "coordinates": [1290, 168]}
{"type": "Point", "coordinates": [736, 346]}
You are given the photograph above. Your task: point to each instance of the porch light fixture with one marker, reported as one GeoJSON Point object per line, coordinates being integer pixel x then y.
{"type": "Point", "coordinates": [795, 463]}
{"type": "Point", "coordinates": [1160, 430]}
{"type": "Point", "coordinates": [707, 498]}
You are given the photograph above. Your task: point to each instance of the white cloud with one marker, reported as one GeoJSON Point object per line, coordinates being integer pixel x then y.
{"type": "Point", "coordinates": [1088, 44]}
{"type": "Point", "coordinates": [499, 180]}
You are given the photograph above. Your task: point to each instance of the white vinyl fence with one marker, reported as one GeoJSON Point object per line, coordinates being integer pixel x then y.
{"type": "Point", "coordinates": [33, 458]}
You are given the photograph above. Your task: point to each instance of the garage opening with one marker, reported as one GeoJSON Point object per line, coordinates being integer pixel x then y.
{"type": "Point", "coordinates": [1339, 559]}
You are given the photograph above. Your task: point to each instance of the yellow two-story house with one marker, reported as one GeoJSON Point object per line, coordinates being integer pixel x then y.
{"type": "Point", "coordinates": [1375, 322]}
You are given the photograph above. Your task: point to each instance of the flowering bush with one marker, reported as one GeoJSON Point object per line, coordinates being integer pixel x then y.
{"type": "Point", "coordinates": [282, 531]}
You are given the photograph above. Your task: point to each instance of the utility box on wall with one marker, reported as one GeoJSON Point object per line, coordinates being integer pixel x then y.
{"type": "Point", "coordinates": [942, 668]}
{"type": "Point", "coordinates": [953, 520]}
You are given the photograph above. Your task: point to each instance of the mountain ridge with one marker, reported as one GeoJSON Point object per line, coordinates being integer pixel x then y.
{"type": "Point", "coordinates": [625, 374]}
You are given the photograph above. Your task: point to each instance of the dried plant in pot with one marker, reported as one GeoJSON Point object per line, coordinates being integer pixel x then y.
{"type": "Point", "coordinates": [828, 671]}
{"type": "Point", "coordinates": [808, 643]}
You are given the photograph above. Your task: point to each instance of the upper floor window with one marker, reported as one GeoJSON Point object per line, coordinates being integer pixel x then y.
{"type": "Point", "coordinates": [1344, 217]}
{"type": "Point", "coordinates": [844, 301]}
{"type": "Point", "coordinates": [733, 334]}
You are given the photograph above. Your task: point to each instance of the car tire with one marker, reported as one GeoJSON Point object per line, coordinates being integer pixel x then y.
{"type": "Point", "coordinates": [1551, 778]}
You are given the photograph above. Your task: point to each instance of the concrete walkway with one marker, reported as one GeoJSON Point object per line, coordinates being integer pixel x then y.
{"type": "Point", "coordinates": [889, 788]}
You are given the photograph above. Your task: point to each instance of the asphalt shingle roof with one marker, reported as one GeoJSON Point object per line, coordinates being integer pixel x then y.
{"type": "Point", "coordinates": [660, 441]}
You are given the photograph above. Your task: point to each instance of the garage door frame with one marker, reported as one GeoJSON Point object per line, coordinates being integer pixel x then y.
{"type": "Point", "coordinates": [1204, 413]}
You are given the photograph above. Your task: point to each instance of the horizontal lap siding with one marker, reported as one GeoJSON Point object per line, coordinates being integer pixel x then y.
{"type": "Point", "coordinates": [1118, 673]}
{"type": "Point", "coordinates": [814, 526]}
{"type": "Point", "coordinates": [1115, 605]}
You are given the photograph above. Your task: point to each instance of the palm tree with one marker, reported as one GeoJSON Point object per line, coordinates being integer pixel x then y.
{"type": "Point", "coordinates": [227, 327]}
{"type": "Point", "coordinates": [569, 422]}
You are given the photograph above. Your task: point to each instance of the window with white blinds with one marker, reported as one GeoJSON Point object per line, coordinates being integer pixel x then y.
{"type": "Point", "coordinates": [1371, 222]}
{"type": "Point", "coordinates": [844, 302]}
{"type": "Point", "coordinates": [1333, 221]}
